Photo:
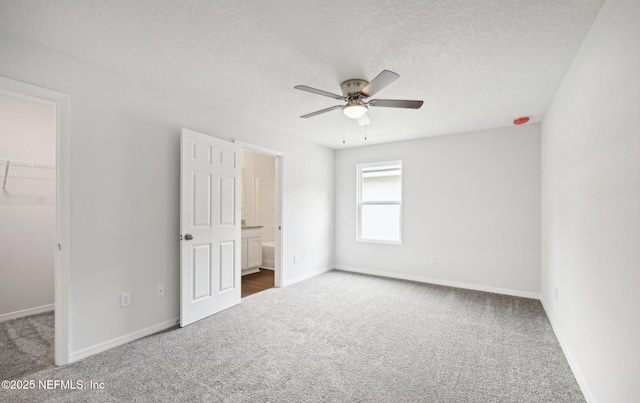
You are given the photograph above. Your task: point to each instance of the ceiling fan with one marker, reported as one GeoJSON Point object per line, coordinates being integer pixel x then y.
{"type": "Point", "coordinates": [356, 91]}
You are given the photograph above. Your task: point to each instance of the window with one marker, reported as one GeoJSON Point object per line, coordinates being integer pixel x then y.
{"type": "Point", "coordinates": [379, 212]}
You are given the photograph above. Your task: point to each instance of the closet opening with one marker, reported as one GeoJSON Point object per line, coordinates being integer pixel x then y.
{"type": "Point", "coordinates": [33, 228]}
{"type": "Point", "coordinates": [27, 232]}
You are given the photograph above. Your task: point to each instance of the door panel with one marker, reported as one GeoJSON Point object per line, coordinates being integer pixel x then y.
{"type": "Point", "coordinates": [227, 264]}
{"type": "Point", "coordinates": [227, 200]}
{"type": "Point", "coordinates": [202, 271]}
{"type": "Point", "coordinates": [228, 157]}
{"type": "Point", "coordinates": [202, 152]}
{"type": "Point", "coordinates": [201, 199]}
{"type": "Point", "coordinates": [210, 226]}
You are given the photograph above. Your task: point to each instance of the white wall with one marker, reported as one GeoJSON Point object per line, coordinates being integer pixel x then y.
{"type": "Point", "coordinates": [591, 207]}
{"type": "Point", "coordinates": [258, 191]}
{"type": "Point", "coordinates": [125, 150]}
{"type": "Point", "coordinates": [27, 207]}
{"type": "Point", "coordinates": [472, 200]}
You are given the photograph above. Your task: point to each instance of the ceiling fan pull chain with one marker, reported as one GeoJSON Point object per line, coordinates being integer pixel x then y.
{"type": "Point", "coordinates": [365, 132]}
{"type": "Point", "coordinates": [343, 136]}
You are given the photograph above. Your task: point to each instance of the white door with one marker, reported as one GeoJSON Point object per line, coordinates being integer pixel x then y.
{"type": "Point", "coordinates": [209, 226]}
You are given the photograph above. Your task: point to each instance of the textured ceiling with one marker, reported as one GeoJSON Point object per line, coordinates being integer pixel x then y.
{"type": "Point", "coordinates": [476, 64]}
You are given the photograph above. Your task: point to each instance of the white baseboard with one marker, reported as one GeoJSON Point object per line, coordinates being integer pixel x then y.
{"type": "Point", "coordinates": [267, 268]}
{"type": "Point", "coordinates": [306, 276]}
{"type": "Point", "coordinates": [118, 341]}
{"type": "Point", "coordinates": [475, 287]}
{"type": "Point", "coordinates": [567, 353]}
{"type": "Point", "coordinates": [250, 271]}
{"type": "Point", "coordinates": [26, 312]}
{"type": "Point", "coordinates": [268, 263]}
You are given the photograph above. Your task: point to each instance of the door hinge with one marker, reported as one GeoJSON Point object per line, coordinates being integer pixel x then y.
{"type": "Point", "coordinates": [181, 237]}
{"type": "Point", "coordinates": [59, 247]}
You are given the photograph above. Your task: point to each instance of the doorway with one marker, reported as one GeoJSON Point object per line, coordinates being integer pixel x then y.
{"type": "Point", "coordinates": [27, 232]}
{"type": "Point", "coordinates": [261, 215]}
{"type": "Point", "coordinates": [213, 253]}
{"type": "Point", "coordinates": [34, 135]}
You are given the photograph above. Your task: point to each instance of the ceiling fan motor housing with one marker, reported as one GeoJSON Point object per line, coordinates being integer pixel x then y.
{"type": "Point", "coordinates": [351, 88]}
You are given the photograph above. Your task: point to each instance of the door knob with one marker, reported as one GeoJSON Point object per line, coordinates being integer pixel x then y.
{"type": "Point", "coordinates": [188, 237]}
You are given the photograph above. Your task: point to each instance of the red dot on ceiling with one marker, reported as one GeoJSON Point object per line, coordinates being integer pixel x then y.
{"type": "Point", "coordinates": [521, 121]}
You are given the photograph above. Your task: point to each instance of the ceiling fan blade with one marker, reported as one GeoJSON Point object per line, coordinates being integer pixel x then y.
{"type": "Point", "coordinates": [382, 80]}
{"type": "Point", "coordinates": [318, 92]}
{"type": "Point", "coordinates": [396, 103]}
{"type": "Point", "coordinates": [312, 114]}
{"type": "Point", "coordinates": [363, 120]}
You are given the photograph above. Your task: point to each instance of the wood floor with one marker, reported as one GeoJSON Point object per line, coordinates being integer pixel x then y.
{"type": "Point", "coordinates": [256, 282]}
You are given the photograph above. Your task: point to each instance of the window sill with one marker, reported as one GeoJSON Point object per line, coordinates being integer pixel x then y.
{"type": "Point", "coordinates": [379, 241]}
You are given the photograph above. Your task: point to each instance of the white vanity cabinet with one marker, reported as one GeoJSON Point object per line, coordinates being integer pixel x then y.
{"type": "Point", "coordinates": [251, 245]}
{"type": "Point", "coordinates": [243, 260]}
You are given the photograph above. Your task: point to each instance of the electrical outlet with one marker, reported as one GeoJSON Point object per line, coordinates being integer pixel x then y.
{"type": "Point", "coordinates": [125, 299]}
{"type": "Point", "coordinates": [296, 258]}
{"type": "Point", "coordinates": [434, 259]}
{"type": "Point", "coordinates": [160, 290]}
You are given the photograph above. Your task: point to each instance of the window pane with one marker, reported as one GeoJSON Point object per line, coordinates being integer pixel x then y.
{"type": "Point", "coordinates": [381, 188]}
{"type": "Point", "coordinates": [380, 222]}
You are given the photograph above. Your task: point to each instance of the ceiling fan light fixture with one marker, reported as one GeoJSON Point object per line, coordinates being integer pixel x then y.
{"type": "Point", "coordinates": [355, 109]}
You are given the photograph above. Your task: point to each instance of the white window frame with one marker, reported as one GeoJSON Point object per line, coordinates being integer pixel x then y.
{"type": "Point", "coordinates": [360, 203]}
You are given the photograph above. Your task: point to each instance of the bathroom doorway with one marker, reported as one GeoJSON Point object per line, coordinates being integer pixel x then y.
{"type": "Point", "coordinates": [261, 208]}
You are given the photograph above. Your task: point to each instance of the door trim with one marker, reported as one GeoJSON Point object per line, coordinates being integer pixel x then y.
{"type": "Point", "coordinates": [279, 220]}
{"type": "Point", "coordinates": [63, 212]}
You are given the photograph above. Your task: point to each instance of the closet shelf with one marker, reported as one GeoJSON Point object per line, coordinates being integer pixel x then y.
{"type": "Point", "coordinates": [25, 170]}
